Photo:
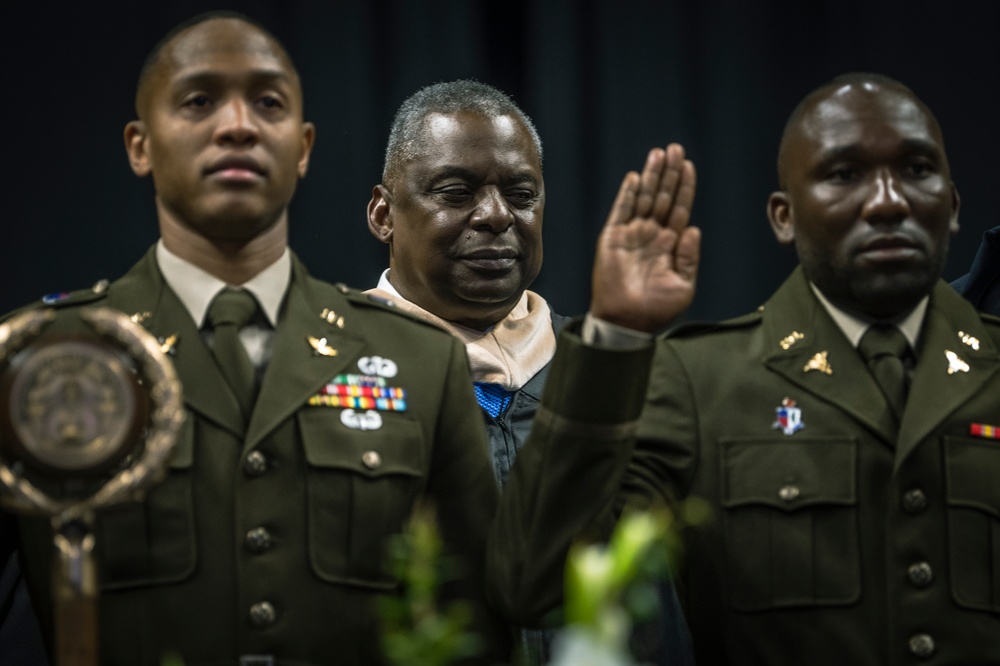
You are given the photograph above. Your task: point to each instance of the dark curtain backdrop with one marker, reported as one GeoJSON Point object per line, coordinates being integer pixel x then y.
{"type": "Point", "coordinates": [604, 81]}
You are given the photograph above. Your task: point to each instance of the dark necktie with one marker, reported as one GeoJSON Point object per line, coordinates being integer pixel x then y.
{"type": "Point", "coordinates": [230, 311]}
{"type": "Point", "coordinates": [883, 348]}
{"type": "Point", "coordinates": [493, 398]}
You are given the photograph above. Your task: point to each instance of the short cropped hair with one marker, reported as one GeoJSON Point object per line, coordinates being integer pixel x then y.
{"type": "Point", "coordinates": [149, 64]}
{"type": "Point", "coordinates": [450, 97]}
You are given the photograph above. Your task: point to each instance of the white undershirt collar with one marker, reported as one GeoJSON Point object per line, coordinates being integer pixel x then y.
{"type": "Point", "coordinates": [196, 288]}
{"type": "Point", "coordinates": [854, 327]}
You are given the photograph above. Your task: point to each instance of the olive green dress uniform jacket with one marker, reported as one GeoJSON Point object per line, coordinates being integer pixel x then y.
{"type": "Point", "coordinates": [838, 543]}
{"type": "Point", "coordinates": [177, 572]}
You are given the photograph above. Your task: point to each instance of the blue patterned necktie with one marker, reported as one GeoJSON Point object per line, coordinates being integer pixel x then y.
{"type": "Point", "coordinates": [493, 398]}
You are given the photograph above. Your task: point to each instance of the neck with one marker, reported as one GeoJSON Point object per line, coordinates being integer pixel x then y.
{"type": "Point", "coordinates": [233, 262]}
{"type": "Point", "coordinates": [480, 318]}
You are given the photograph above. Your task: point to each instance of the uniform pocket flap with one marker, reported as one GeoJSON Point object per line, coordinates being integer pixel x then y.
{"type": "Point", "coordinates": [789, 475]}
{"type": "Point", "coordinates": [970, 466]}
{"type": "Point", "coordinates": [395, 447]}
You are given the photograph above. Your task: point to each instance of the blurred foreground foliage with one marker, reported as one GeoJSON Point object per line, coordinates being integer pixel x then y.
{"type": "Point", "coordinates": [416, 630]}
{"type": "Point", "coordinates": [611, 587]}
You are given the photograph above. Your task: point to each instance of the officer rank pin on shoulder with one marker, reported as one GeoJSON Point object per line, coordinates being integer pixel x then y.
{"type": "Point", "coordinates": [331, 317]}
{"type": "Point", "coordinates": [968, 340]}
{"type": "Point", "coordinates": [789, 340]}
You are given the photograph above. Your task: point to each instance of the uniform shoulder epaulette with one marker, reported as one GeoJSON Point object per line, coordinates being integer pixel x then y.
{"type": "Point", "coordinates": [991, 321]}
{"type": "Point", "coordinates": [693, 328]}
{"type": "Point", "coordinates": [65, 299]}
{"type": "Point", "coordinates": [78, 297]}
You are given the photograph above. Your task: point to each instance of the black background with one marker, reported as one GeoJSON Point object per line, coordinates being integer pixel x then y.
{"type": "Point", "coordinates": [604, 81]}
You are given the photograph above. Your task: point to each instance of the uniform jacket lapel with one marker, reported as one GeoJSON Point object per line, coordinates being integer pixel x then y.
{"type": "Point", "coordinates": [143, 290]}
{"type": "Point", "coordinates": [934, 392]}
{"type": "Point", "coordinates": [295, 372]}
{"type": "Point", "coordinates": [849, 385]}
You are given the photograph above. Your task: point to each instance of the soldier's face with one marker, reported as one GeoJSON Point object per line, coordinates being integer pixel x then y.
{"type": "Point", "coordinates": [868, 199]}
{"type": "Point", "coordinates": [466, 218]}
{"type": "Point", "coordinates": [222, 131]}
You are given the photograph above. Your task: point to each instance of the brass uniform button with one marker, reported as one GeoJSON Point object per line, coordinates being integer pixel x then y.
{"type": "Point", "coordinates": [262, 614]}
{"type": "Point", "coordinates": [255, 464]}
{"type": "Point", "coordinates": [789, 493]}
{"type": "Point", "coordinates": [371, 459]}
{"type": "Point", "coordinates": [914, 501]}
{"type": "Point", "coordinates": [258, 540]}
{"type": "Point", "coordinates": [921, 646]}
{"type": "Point", "coordinates": [920, 574]}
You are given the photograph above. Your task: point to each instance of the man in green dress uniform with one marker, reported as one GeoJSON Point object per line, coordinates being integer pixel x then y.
{"type": "Point", "coordinates": [844, 435]}
{"type": "Point", "coordinates": [265, 544]}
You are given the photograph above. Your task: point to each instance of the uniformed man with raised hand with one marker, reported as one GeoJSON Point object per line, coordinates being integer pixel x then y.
{"type": "Point", "coordinates": [845, 434]}
{"type": "Point", "coordinates": [316, 418]}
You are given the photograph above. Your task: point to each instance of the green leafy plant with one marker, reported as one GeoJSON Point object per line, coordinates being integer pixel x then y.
{"type": "Point", "coordinates": [611, 586]}
{"type": "Point", "coordinates": [416, 631]}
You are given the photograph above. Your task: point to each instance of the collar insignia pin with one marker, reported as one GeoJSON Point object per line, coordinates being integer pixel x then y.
{"type": "Point", "coordinates": [955, 364]}
{"type": "Point", "coordinates": [819, 362]}
{"type": "Point", "coordinates": [168, 345]}
{"type": "Point", "coordinates": [969, 340]}
{"type": "Point", "coordinates": [141, 317]}
{"type": "Point", "coordinates": [789, 340]}
{"type": "Point", "coordinates": [788, 418]}
{"type": "Point", "coordinates": [320, 346]}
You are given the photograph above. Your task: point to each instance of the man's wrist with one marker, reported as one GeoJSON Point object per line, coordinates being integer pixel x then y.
{"type": "Point", "coordinates": [597, 331]}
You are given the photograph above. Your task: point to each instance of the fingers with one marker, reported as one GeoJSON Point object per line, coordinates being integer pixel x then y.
{"type": "Point", "coordinates": [667, 187]}
{"type": "Point", "coordinates": [664, 191]}
{"type": "Point", "coordinates": [623, 209]}
{"type": "Point", "coordinates": [649, 184]}
{"type": "Point", "coordinates": [687, 253]}
{"type": "Point", "coordinates": [680, 213]}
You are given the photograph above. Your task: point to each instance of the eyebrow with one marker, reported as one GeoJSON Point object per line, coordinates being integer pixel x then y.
{"type": "Point", "coordinates": [909, 146]}
{"type": "Point", "coordinates": [467, 174]}
{"type": "Point", "coordinates": [210, 76]}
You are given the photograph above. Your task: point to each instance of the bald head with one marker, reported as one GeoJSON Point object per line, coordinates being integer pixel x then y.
{"type": "Point", "coordinates": [814, 109]}
{"type": "Point", "coordinates": [189, 37]}
{"type": "Point", "coordinates": [866, 195]}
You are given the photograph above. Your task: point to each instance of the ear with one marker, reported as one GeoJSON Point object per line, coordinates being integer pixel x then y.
{"type": "Point", "coordinates": [955, 203]}
{"type": "Point", "coordinates": [308, 138]}
{"type": "Point", "coordinates": [136, 148]}
{"type": "Point", "coordinates": [380, 214]}
{"type": "Point", "coordinates": [779, 212]}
